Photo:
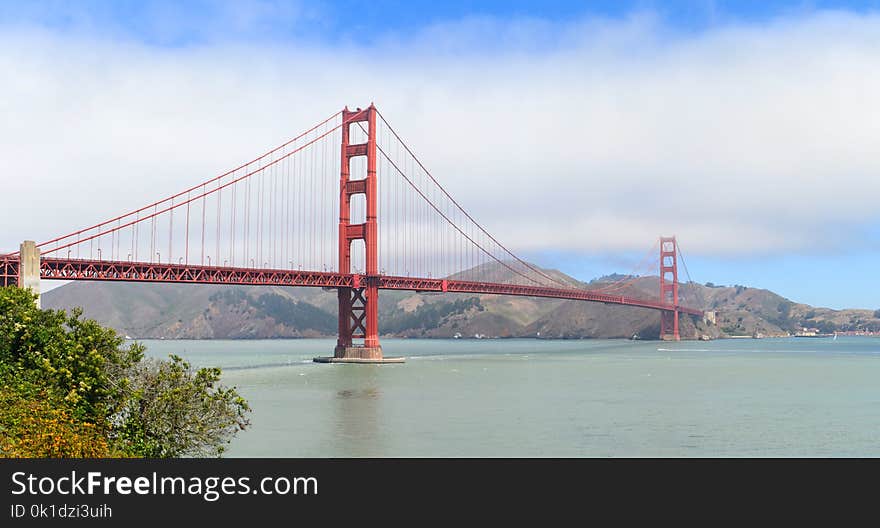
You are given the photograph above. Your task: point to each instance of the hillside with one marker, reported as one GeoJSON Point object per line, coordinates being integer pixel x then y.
{"type": "Point", "coordinates": [184, 311]}
{"type": "Point", "coordinates": [203, 311]}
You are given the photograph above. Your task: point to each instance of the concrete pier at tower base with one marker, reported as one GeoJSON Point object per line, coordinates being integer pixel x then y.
{"type": "Point", "coordinates": [358, 354]}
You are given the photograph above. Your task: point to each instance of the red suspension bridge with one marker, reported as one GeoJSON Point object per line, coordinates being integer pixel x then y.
{"type": "Point", "coordinates": [284, 219]}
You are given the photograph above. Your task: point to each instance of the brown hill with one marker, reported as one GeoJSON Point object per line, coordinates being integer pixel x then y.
{"type": "Point", "coordinates": [212, 311]}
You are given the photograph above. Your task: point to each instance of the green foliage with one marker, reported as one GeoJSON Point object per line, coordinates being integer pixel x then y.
{"type": "Point", "coordinates": [783, 320]}
{"type": "Point", "coordinates": [175, 411]}
{"type": "Point", "coordinates": [784, 309]}
{"type": "Point", "coordinates": [296, 314]}
{"type": "Point", "coordinates": [70, 388]}
{"type": "Point", "coordinates": [229, 296]}
{"type": "Point", "coordinates": [17, 312]}
{"type": "Point", "coordinates": [34, 424]}
{"type": "Point", "coordinates": [430, 315]}
{"type": "Point", "coordinates": [76, 359]}
{"type": "Point", "coordinates": [282, 309]}
{"type": "Point", "coordinates": [826, 327]}
{"type": "Point", "coordinates": [734, 330]}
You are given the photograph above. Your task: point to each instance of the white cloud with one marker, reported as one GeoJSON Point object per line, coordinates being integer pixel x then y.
{"type": "Point", "coordinates": [590, 136]}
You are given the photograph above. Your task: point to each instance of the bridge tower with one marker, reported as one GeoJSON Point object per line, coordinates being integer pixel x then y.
{"type": "Point", "coordinates": [669, 289]}
{"type": "Point", "coordinates": [29, 268]}
{"type": "Point", "coordinates": [358, 304]}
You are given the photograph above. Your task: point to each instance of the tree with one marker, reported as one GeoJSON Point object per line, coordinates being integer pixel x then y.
{"type": "Point", "coordinates": [876, 314]}
{"type": "Point", "coordinates": [75, 359]}
{"type": "Point", "coordinates": [70, 388]}
{"type": "Point", "coordinates": [175, 411]}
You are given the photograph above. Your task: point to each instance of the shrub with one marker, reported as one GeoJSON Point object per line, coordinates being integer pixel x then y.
{"type": "Point", "coordinates": [33, 425]}
{"type": "Point", "coordinates": [71, 389]}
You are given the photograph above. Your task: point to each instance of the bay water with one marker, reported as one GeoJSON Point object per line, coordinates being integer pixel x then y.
{"type": "Point", "coordinates": [804, 397]}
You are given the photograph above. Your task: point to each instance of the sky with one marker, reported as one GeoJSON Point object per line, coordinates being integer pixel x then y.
{"type": "Point", "coordinates": [576, 132]}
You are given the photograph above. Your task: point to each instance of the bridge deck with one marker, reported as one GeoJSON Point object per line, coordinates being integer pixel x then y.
{"type": "Point", "coordinates": [103, 270]}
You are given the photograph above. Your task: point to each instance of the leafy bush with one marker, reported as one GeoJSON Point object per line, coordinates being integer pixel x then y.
{"type": "Point", "coordinates": [70, 388]}
{"type": "Point", "coordinates": [33, 425]}
{"type": "Point", "coordinates": [176, 411]}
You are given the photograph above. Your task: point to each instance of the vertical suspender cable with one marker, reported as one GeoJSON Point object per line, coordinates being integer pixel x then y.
{"type": "Point", "coordinates": [171, 232]}
{"type": "Point", "coordinates": [219, 206]}
{"type": "Point", "coordinates": [203, 224]}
